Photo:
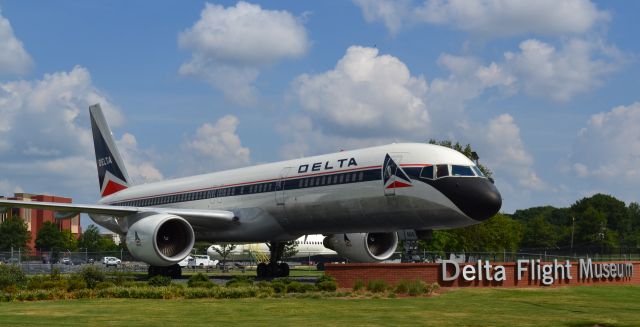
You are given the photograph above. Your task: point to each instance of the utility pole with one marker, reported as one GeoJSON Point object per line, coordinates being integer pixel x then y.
{"type": "Point", "coordinates": [573, 225]}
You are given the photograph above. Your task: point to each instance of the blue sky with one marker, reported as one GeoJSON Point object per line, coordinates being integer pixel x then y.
{"type": "Point", "coordinates": [546, 91]}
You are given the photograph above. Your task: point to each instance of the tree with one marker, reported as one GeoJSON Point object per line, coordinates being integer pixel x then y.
{"type": "Point", "coordinates": [539, 233]}
{"type": "Point", "coordinates": [69, 242]}
{"type": "Point", "coordinates": [90, 239]}
{"type": "Point", "coordinates": [290, 249]}
{"type": "Point", "coordinates": [467, 151]}
{"type": "Point", "coordinates": [106, 244]}
{"type": "Point", "coordinates": [224, 250]}
{"type": "Point", "coordinates": [14, 234]}
{"type": "Point", "coordinates": [49, 237]}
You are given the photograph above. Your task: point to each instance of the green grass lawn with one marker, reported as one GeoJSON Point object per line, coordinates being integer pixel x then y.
{"type": "Point", "coordinates": [570, 306]}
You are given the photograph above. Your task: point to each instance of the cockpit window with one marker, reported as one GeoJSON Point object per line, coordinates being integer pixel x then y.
{"type": "Point", "coordinates": [442, 171]}
{"type": "Point", "coordinates": [427, 172]}
{"type": "Point", "coordinates": [457, 170]}
{"type": "Point", "coordinates": [478, 171]}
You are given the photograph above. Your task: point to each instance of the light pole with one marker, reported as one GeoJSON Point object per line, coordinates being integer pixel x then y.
{"type": "Point", "coordinates": [573, 225]}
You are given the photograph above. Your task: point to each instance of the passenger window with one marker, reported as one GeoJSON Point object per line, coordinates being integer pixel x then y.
{"type": "Point", "coordinates": [361, 176]}
{"type": "Point", "coordinates": [442, 170]}
{"type": "Point", "coordinates": [341, 178]}
{"type": "Point", "coordinates": [347, 178]}
{"type": "Point", "coordinates": [457, 170]}
{"type": "Point", "coordinates": [427, 172]}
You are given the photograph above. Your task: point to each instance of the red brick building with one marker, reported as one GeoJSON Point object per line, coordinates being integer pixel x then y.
{"type": "Point", "coordinates": [35, 218]}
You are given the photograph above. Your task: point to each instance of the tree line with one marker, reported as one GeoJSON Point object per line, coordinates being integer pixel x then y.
{"type": "Point", "coordinates": [15, 235]}
{"type": "Point", "coordinates": [597, 224]}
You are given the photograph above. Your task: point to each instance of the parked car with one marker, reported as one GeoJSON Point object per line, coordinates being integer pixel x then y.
{"type": "Point", "coordinates": [201, 261]}
{"type": "Point", "coordinates": [111, 261]}
{"type": "Point", "coordinates": [66, 261]}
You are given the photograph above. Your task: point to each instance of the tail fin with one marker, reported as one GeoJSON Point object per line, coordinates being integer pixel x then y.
{"type": "Point", "coordinates": [112, 174]}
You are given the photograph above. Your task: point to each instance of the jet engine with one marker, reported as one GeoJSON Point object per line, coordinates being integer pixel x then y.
{"type": "Point", "coordinates": [363, 247]}
{"type": "Point", "coordinates": [160, 239]}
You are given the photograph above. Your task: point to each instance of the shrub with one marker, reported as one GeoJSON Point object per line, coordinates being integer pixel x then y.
{"type": "Point", "coordinates": [326, 283]}
{"type": "Point", "coordinates": [433, 287]}
{"type": "Point", "coordinates": [328, 286]}
{"type": "Point", "coordinates": [200, 280]}
{"type": "Point", "coordinates": [159, 280]}
{"type": "Point", "coordinates": [376, 286]}
{"type": "Point", "coordinates": [297, 287]}
{"type": "Point", "coordinates": [263, 284]}
{"type": "Point", "coordinates": [412, 287]}
{"type": "Point", "coordinates": [358, 285]}
{"type": "Point", "coordinates": [120, 278]}
{"type": "Point", "coordinates": [105, 284]}
{"type": "Point", "coordinates": [239, 281]}
{"type": "Point", "coordinates": [91, 275]}
{"type": "Point", "coordinates": [76, 283]}
{"type": "Point", "coordinates": [279, 286]}
{"type": "Point", "coordinates": [11, 276]}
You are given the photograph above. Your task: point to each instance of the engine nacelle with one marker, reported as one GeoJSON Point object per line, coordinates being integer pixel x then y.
{"type": "Point", "coordinates": [363, 247]}
{"type": "Point", "coordinates": [160, 239]}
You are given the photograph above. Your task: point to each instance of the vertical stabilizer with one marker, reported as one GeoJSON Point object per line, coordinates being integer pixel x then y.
{"type": "Point", "coordinates": [112, 174]}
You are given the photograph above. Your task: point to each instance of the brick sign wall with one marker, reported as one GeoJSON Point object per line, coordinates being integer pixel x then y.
{"type": "Point", "coordinates": [523, 273]}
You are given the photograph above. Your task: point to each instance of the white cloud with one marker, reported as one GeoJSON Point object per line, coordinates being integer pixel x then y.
{"type": "Point", "coordinates": [366, 94]}
{"type": "Point", "coordinates": [393, 14]}
{"type": "Point", "coordinates": [538, 69]}
{"type": "Point", "coordinates": [49, 117]}
{"type": "Point", "coordinates": [230, 45]}
{"type": "Point", "coordinates": [608, 148]}
{"type": "Point", "coordinates": [506, 153]}
{"type": "Point", "coordinates": [305, 139]}
{"type": "Point", "coordinates": [489, 18]}
{"type": "Point", "coordinates": [219, 144]}
{"type": "Point", "coordinates": [46, 137]}
{"type": "Point", "coordinates": [14, 59]}
{"type": "Point", "coordinates": [139, 163]}
{"type": "Point", "coordinates": [578, 66]}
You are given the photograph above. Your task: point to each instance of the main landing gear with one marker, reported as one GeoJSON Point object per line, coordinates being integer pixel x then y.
{"type": "Point", "coordinates": [173, 271]}
{"type": "Point", "coordinates": [274, 269]}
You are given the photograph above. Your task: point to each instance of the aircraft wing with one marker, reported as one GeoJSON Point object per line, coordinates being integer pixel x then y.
{"type": "Point", "coordinates": [202, 218]}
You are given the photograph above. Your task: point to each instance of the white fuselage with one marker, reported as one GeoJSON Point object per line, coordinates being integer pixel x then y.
{"type": "Point", "coordinates": [306, 246]}
{"type": "Point", "coordinates": [333, 193]}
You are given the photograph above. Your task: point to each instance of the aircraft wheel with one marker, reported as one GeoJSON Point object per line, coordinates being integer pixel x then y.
{"type": "Point", "coordinates": [262, 270]}
{"type": "Point", "coordinates": [284, 270]}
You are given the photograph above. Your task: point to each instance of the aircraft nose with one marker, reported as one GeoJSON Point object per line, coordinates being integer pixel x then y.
{"type": "Point", "coordinates": [478, 198]}
{"type": "Point", "coordinates": [487, 202]}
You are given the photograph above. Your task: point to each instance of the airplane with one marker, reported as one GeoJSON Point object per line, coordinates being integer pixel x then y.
{"type": "Point", "coordinates": [358, 198]}
{"type": "Point", "coordinates": [306, 246]}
